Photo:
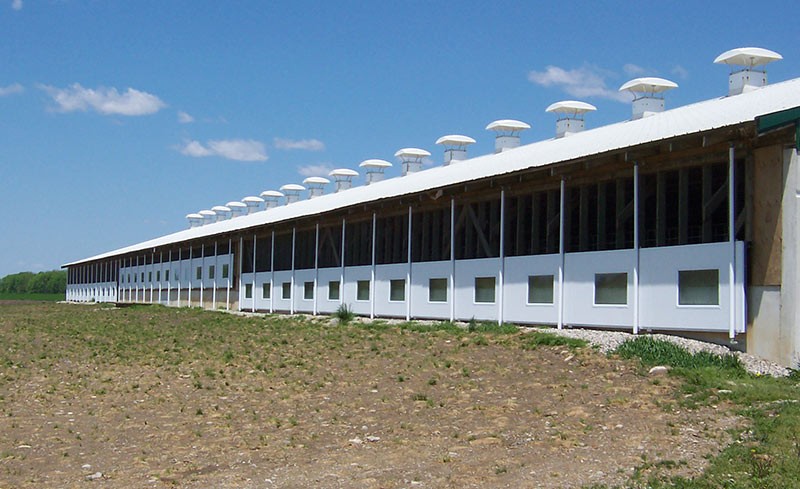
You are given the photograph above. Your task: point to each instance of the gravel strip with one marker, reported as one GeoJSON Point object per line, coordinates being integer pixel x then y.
{"type": "Point", "coordinates": [608, 341]}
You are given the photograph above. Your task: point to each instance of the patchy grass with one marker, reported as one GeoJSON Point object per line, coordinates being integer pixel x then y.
{"type": "Point", "coordinates": [7, 296]}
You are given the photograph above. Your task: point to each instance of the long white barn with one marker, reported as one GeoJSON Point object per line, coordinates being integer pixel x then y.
{"type": "Point", "coordinates": [682, 220]}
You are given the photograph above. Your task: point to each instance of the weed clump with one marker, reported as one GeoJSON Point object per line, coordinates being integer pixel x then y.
{"type": "Point", "coordinates": [344, 314]}
{"type": "Point", "coordinates": [660, 352]}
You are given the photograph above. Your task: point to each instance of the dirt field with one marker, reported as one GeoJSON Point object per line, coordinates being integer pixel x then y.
{"type": "Point", "coordinates": [156, 397]}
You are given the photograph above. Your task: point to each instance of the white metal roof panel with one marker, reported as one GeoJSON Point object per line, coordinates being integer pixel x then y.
{"type": "Point", "coordinates": [689, 119]}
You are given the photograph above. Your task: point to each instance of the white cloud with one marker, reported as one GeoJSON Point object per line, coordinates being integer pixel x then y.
{"type": "Point", "coordinates": [631, 69]}
{"type": "Point", "coordinates": [587, 81]}
{"type": "Point", "coordinates": [107, 101]}
{"type": "Point", "coordinates": [184, 118]}
{"type": "Point", "coordinates": [680, 72]}
{"type": "Point", "coordinates": [306, 144]}
{"type": "Point", "coordinates": [231, 149]}
{"type": "Point", "coordinates": [16, 4]}
{"type": "Point", "coordinates": [12, 89]}
{"type": "Point", "coordinates": [320, 170]}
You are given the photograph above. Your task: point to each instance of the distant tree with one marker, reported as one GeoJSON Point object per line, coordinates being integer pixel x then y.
{"type": "Point", "coordinates": [52, 282]}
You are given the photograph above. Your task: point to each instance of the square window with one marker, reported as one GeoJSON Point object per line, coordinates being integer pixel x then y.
{"type": "Point", "coordinates": [286, 290]}
{"type": "Point", "coordinates": [211, 271]}
{"type": "Point", "coordinates": [199, 273]}
{"type": "Point", "coordinates": [698, 287]}
{"type": "Point", "coordinates": [362, 290]}
{"type": "Point", "coordinates": [225, 270]}
{"type": "Point", "coordinates": [437, 290]}
{"type": "Point", "coordinates": [308, 291]}
{"type": "Point", "coordinates": [540, 289]}
{"type": "Point", "coordinates": [611, 288]}
{"type": "Point", "coordinates": [333, 290]}
{"type": "Point", "coordinates": [397, 290]}
{"type": "Point", "coordinates": [248, 291]}
{"type": "Point", "coordinates": [484, 289]}
{"type": "Point", "coordinates": [266, 290]}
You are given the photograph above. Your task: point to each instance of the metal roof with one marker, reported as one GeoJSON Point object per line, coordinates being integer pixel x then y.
{"type": "Point", "coordinates": [689, 119]}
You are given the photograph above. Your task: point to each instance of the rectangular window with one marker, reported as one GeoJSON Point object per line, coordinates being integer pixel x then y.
{"type": "Point", "coordinates": [166, 275]}
{"type": "Point", "coordinates": [286, 290]}
{"type": "Point", "coordinates": [211, 270]}
{"type": "Point", "coordinates": [158, 275]}
{"type": "Point", "coordinates": [611, 288]}
{"type": "Point", "coordinates": [142, 277]}
{"type": "Point", "coordinates": [129, 278]}
{"type": "Point", "coordinates": [333, 291]}
{"type": "Point", "coordinates": [266, 290]}
{"type": "Point", "coordinates": [484, 289]}
{"type": "Point", "coordinates": [698, 287]}
{"type": "Point", "coordinates": [540, 289]}
{"type": "Point", "coordinates": [225, 270]}
{"type": "Point", "coordinates": [362, 290]}
{"type": "Point", "coordinates": [437, 290]}
{"type": "Point", "coordinates": [308, 291]}
{"type": "Point", "coordinates": [248, 291]}
{"type": "Point", "coordinates": [149, 276]}
{"type": "Point", "coordinates": [199, 273]}
{"type": "Point", "coordinates": [397, 290]}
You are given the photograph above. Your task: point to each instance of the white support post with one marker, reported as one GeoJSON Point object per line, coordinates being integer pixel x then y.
{"type": "Point", "coordinates": [191, 273]}
{"type": "Point", "coordinates": [202, 273]}
{"type": "Point", "coordinates": [150, 274]}
{"type": "Point", "coordinates": [732, 243]}
{"type": "Point", "coordinates": [137, 277]}
{"type": "Point", "coordinates": [372, 271]}
{"type": "Point", "coordinates": [291, 288]}
{"type": "Point", "coordinates": [500, 280]}
{"type": "Point", "coordinates": [272, 274]}
{"type": "Point", "coordinates": [408, 271]}
{"type": "Point", "coordinates": [562, 205]}
{"type": "Point", "coordinates": [214, 280]}
{"type": "Point", "coordinates": [160, 273]}
{"type": "Point", "coordinates": [636, 248]}
{"type": "Point", "coordinates": [180, 272]}
{"type": "Point", "coordinates": [253, 286]}
{"type": "Point", "coordinates": [316, 267]}
{"type": "Point", "coordinates": [452, 259]}
{"type": "Point", "coordinates": [230, 272]}
{"type": "Point", "coordinates": [241, 282]}
{"type": "Point", "coordinates": [341, 275]}
{"type": "Point", "coordinates": [169, 282]}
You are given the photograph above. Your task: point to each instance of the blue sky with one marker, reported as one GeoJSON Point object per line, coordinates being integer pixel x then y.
{"type": "Point", "coordinates": [117, 118]}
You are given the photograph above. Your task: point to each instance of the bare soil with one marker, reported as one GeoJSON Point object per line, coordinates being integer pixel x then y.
{"type": "Point", "coordinates": [157, 397]}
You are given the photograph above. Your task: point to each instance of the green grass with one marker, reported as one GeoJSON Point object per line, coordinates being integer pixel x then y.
{"type": "Point", "coordinates": [764, 455]}
{"type": "Point", "coordinates": [7, 296]}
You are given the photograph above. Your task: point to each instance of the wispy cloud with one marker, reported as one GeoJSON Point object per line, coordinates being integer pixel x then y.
{"type": "Point", "coordinates": [106, 101]}
{"type": "Point", "coordinates": [585, 82]}
{"type": "Point", "coordinates": [184, 118]}
{"type": "Point", "coordinates": [231, 149]}
{"type": "Point", "coordinates": [680, 72]}
{"type": "Point", "coordinates": [12, 89]}
{"type": "Point", "coordinates": [305, 144]}
{"type": "Point", "coordinates": [16, 4]}
{"type": "Point", "coordinates": [631, 69]}
{"type": "Point", "coordinates": [320, 170]}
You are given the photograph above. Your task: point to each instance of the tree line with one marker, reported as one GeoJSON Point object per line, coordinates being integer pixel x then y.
{"type": "Point", "coordinates": [52, 282]}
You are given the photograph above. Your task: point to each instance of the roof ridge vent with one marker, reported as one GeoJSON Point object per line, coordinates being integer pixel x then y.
{"type": "Point", "coordinates": [253, 203]}
{"type": "Point", "coordinates": [744, 62]}
{"type": "Point", "coordinates": [507, 133]}
{"type": "Point", "coordinates": [648, 98]}
{"type": "Point", "coordinates": [237, 208]}
{"type": "Point", "coordinates": [208, 216]}
{"type": "Point", "coordinates": [411, 159]}
{"type": "Point", "coordinates": [271, 198]}
{"type": "Point", "coordinates": [570, 116]}
{"type": "Point", "coordinates": [455, 147]}
{"type": "Point", "coordinates": [223, 212]}
{"type": "Point", "coordinates": [195, 220]}
{"type": "Point", "coordinates": [375, 169]}
{"type": "Point", "coordinates": [292, 192]}
{"type": "Point", "coordinates": [343, 177]}
{"type": "Point", "coordinates": [316, 186]}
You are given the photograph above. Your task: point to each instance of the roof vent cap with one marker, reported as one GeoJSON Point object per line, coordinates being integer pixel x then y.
{"type": "Point", "coordinates": [375, 169]}
{"type": "Point", "coordinates": [253, 203]}
{"type": "Point", "coordinates": [292, 192]}
{"type": "Point", "coordinates": [208, 216]}
{"type": "Point", "coordinates": [223, 212]}
{"type": "Point", "coordinates": [745, 73]}
{"type": "Point", "coordinates": [411, 159]}
{"type": "Point", "coordinates": [271, 198]}
{"type": "Point", "coordinates": [507, 133]}
{"type": "Point", "coordinates": [570, 116]}
{"type": "Point", "coordinates": [316, 186]}
{"type": "Point", "coordinates": [343, 178]}
{"type": "Point", "coordinates": [237, 208]}
{"type": "Point", "coordinates": [195, 220]}
{"type": "Point", "coordinates": [648, 98]}
{"type": "Point", "coordinates": [455, 147]}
